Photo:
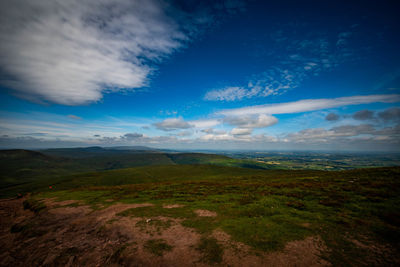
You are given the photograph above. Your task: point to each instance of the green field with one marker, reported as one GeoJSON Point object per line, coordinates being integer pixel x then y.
{"type": "Point", "coordinates": [318, 160]}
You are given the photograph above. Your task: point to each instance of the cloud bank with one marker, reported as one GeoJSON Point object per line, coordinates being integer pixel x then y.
{"type": "Point", "coordinates": [242, 130]}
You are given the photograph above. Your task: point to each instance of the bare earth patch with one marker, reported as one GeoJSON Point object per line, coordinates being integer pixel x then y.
{"type": "Point", "coordinates": [181, 239]}
{"type": "Point", "coordinates": [173, 206]}
{"type": "Point", "coordinates": [60, 203]}
{"type": "Point", "coordinates": [299, 253]}
{"type": "Point", "coordinates": [374, 251]}
{"type": "Point", "coordinates": [205, 213]}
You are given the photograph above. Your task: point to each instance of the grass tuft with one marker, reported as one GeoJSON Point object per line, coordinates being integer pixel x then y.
{"type": "Point", "coordinates": [33, 205]}
{"type": "Point", "coordinates": [157, 246]}
{"type": "Point", "coordinates": [212, 251]}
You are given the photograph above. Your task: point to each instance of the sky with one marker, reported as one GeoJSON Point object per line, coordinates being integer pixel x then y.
{"type": "Point", "coordinates": [222, 75]}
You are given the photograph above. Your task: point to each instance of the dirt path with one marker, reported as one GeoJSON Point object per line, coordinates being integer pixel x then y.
{"type": "Point", "coordinates": [63, 235]}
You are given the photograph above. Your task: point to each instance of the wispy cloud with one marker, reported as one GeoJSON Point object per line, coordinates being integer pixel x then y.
{"type": "Point", "coordinates": [310, 105]}
{"type": "Point", "coordinates": [302, 59]}
{"type": "Point", "coordinates": [229, 94]}
{"type": "Point", "coordinates": [71, 116]}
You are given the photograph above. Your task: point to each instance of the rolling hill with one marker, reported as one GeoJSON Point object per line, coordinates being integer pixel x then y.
{"type": "Point", "coordinates": [25, 168]}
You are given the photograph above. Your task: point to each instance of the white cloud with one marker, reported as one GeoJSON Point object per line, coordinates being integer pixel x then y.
{"type": "Point", "coordinates": [213, 131]}
{"type": "Point", "coordinates": [310, 105]}
{"type": "Point", "coordinates": [216, 137]}
{"type": "Point", "coordinates": [172, 124]}
{"type": "Point", "coordinates": [248, 121]}
{"type": "Point", "coordinates": [184, 133]}
{"type": "Point", "coordinates": [179, 123]}
{"type": "Point", "coordinates": [206, 123]}
{"type": "Point", "coordinates": [241, 131]}
{"type": "Point", "coordinates": [71, 52]}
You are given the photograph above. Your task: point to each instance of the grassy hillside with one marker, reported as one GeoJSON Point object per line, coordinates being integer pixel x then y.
{"type": "Point", "coordinates": [174, 173]}
{"type": "Point", "coordinates": [24, 170]}
{"type": "Point", "coordinates": [264, 209]}
{"type": "Point", "coordinates": [24, 166]}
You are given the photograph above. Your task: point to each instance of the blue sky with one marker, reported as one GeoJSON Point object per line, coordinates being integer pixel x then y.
{"type": "Point", "coordinates": [308, 75]}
